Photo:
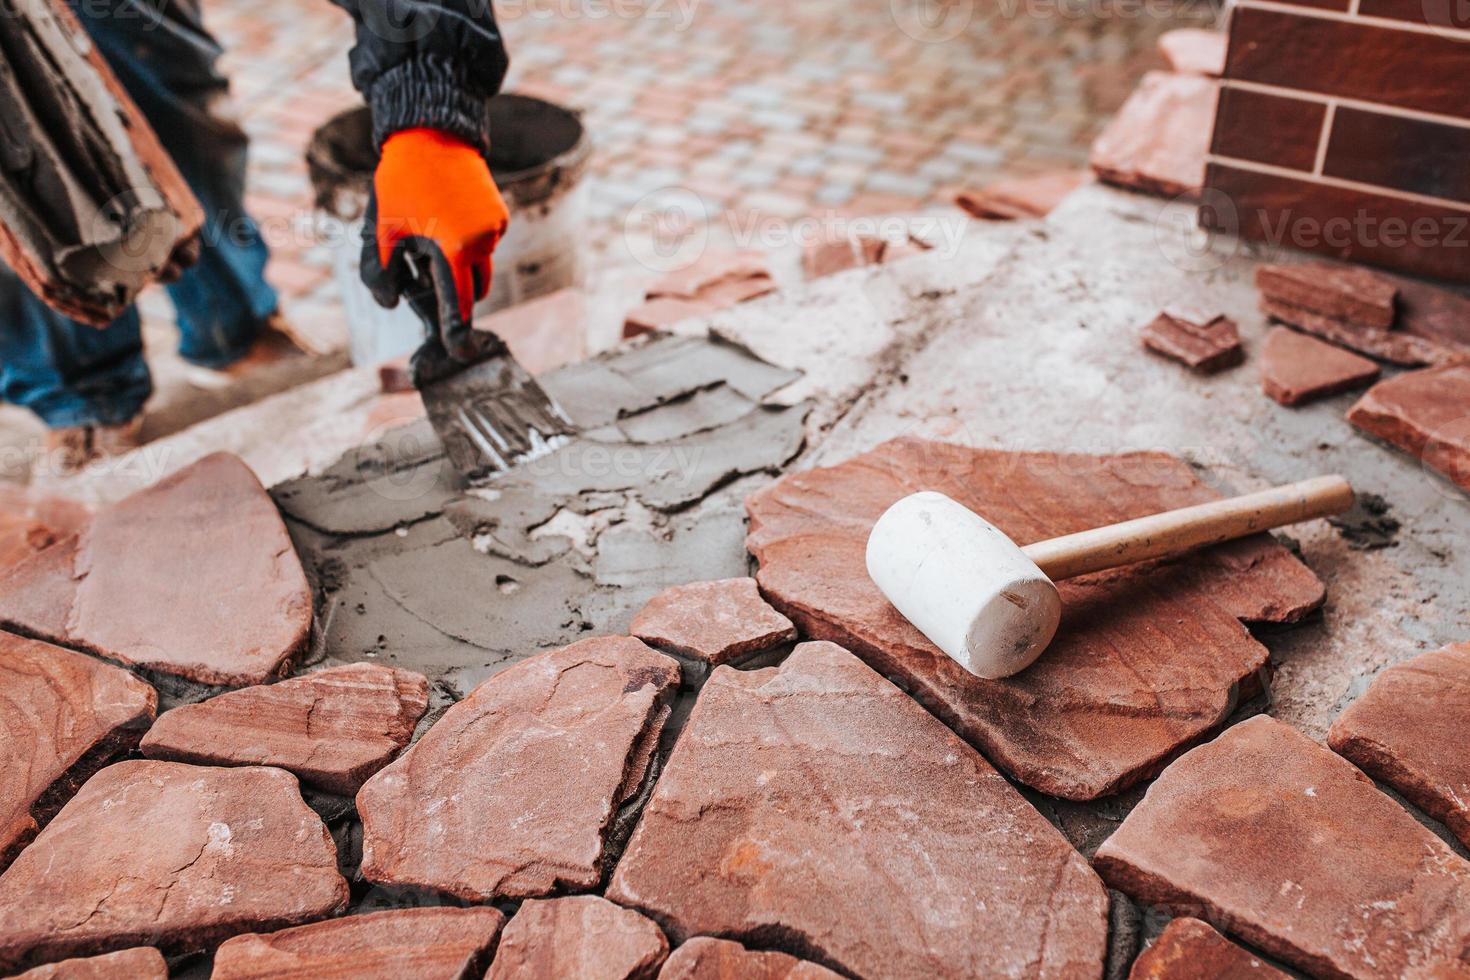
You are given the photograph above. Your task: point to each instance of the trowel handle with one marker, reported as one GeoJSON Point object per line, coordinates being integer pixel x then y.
{"type": "Point", "coordinates": [1178, 531]}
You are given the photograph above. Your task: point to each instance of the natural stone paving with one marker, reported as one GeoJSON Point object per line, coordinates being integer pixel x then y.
{"type": "Point", "coordinates": [172, 855]}
{"type": "Point", "coordinates": [715, 622]}
{"type": "Point", "coordinates": [510, 794]}
{"type": "Point", "coordinates": [580, 936]}
{"type": "Point", "coordinates": [62, 715]}
{"type": "Point", "coordinates": [816, 804]}
{"type": "Point", "coordinates": [1423, 413]}
{"type": "Point", "coordinates": [1147, 659]}
{"type": "Point", "coordinates": [1409, 730]}
{"type": "Point", "coordinates": [207, 532]}
{"type": "Point", "coordinates": [1284, 844]}
{"type": "Point", "coordinates": [425, 943]}
{"type": "Point", "coordinates": [1189, 949]}
{"type": "Point", "coordinates": [333, 728]}
{"type": "Point", "coordinates": [138, 963]}
{"type": "Point", "coordinates": [720, 959]}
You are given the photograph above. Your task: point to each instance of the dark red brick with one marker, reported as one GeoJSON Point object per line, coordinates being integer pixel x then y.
{"type": "Point", "coordinates": [1412, 155]}
{"type": "Point", "coordinates": [1268, 129]}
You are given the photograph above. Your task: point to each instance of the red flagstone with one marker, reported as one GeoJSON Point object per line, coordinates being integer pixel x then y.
{"type": "Point", "coordinates": [193, 576]}
{"type": "Point", "coordinates": [817, 806]}
{"type": "Point", "coordinates": [1022, 197]}
{"type": "Point", "coordinates": [1147, 659]}
{"type": "Point", "coordinates": [333, 728]}
{"type": "Point", "coordinates": [719, 959]}
{"type": "Point", "coordinates": [1202, 342]}
{"type": "Point", "coordinates": [1297, 368]}
{"type": "Point", "coordinates": [511, 792]}
{"type": "Point", "coordinates": [1276, 840]}
{"type": "Point", "coordinates": [712, 621]}
{"type": "Point", "coordinates": [579, 936]}
{"type": "Point", "coordinates": [138, 963]}
{"type": "Point", "coordinates": [1188, 949]}
{"type": "Point", "coordinates": [1424, 413]}
{"type": "Point", "coordinates": [1351, 293]}
{"type": "Point", "coordinates": [423, 943]}
{"type": "Point", "coordinates": [1409, 731]}
{"type": "Point", "coordinates": [1158, 141]}
{"type": "Point", "coordinates": [173, 855]}
{"type": "Point", "coordinates": [30, 523]}
{"type": "Point", "coordinates": [1195, 51]}
{"type": "Point", "coordinates": [62, 716]}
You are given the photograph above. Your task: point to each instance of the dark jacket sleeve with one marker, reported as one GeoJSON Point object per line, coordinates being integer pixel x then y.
{"type": "Point", "coordinates": [427, 63]}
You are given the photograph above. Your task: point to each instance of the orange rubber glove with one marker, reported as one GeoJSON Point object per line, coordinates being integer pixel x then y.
{"type": "Point", "coordinates": [436, 216]}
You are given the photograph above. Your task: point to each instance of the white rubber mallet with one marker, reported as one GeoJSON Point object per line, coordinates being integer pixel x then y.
{"type": "Point", "coordinates": [991, 604]}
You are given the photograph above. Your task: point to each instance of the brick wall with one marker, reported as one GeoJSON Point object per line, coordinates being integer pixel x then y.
{"type": "Point", "coordinates": [1344, 128]}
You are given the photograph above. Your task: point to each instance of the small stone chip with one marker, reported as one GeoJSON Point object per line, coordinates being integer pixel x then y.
{"type": "Point", "coordinates": [1201, 342]}
{"type": "Point", "coordinates": [712, 621]}
{"type": "Point", "coordinates": [1189, 949]}
{"type": "Point", "coordinates": [1296, 368]}
{"type": "Point", "coordinates": [138, 963]}
{"type": "Point", "coordinates": [580, 936]}
{"type": "Point", "coordinates": [720, 959]}
{"type": "Point", "coordinates": [1424, 413]}
{"type": "Point", "coordinates": [1349, 293]}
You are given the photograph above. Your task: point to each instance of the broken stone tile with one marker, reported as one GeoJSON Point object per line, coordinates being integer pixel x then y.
{"type": "Point", "coordinates": [1297, 368]}
{"type": "Point", "coordinates": [581, 936]}
{"type": "Point", "coordinates": [661, 314]}
{"type": "Point", "coordinates": [1409, 729]}
{"type": "Point", "coordinates": [424, 943]}
{"type": "Point", "coordinates": [1022, 197]}
{"type": "Point", "coordinates": [817, 803]}
{"type": "Point", "coordinates": [174, 855]}
{"type": "Point", "coordinates": [713, 268]}
{"type": "Point", "coordinates": [1147, 659]}
{"type": "Point", "coordinates": [1287, 846]}
{"type": "Point", "coordinates": [841, 252]}
{"type": "Point", "coordinates": [1195, 51]}
{"type": "Point", "coordinates": [1426, 414]}
{"type": "Point", "coordinates": [1158, 141]}
{"type": "Point", "coordinates": [138, 963]}
{"type": "Point", "coordinates": [1203, 343]}
{"type": "Point", "coordinates": [715, 281]}
{"type": "Point", "coordinates": [712, 621]}
{"type": "Point", "coordinates": [194, 576]}
{"type": "Point", "coordinates": [510, 793]}
{"type": "Point", "coordinates": [704, 958]}
{"type": "Point", "coordinates": [1189, 949]}
{"type": "Point", "coordinates": [333, 728]}
{"type": "Point", "coordinates": [62, 715]}
{"type": "Point", "coordinates": [1350, 293]}
{"type": "Point", "coordinates": [30, 523]}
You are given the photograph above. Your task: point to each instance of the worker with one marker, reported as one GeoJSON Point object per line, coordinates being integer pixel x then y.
{"type": "Point", "coordinates": [426, 68]}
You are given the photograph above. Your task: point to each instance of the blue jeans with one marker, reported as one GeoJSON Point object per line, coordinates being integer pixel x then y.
{"type": "Point", "coordinates": [71, 374]}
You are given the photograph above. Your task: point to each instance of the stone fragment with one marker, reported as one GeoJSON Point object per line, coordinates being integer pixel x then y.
{"type": "Point", "coordinates": [817, 803]}
{"type": "Point", "coordinates": [62, 715]}
{"type": "Point", "coordinates": [30, 522]}
{"type": "Point", "coordinates": [1195, 51]}
{"type": "Point", "coordinates": [1189, 949]}
{"type": "Point", "coordinates": [1201, 342]}
{"type": "Point", "coordinates": [1409, 729]}
{"type": "Point", "coordinates": [712, 621]}
{"type": "Point", "coordinates": [581, 936]}
{"type": "Point", "coordinates": [1297, 368]}
{"type": "Point", "coordinates": [1287, 846]}
{"type": "Point", "coordinates": [1158, 141]}
{"type": "Point", "coordinates": [1022, 197]}
{"type": "Point", "coordinates": [1147, 659]}
{"type": "Point", "coordinates": [1426, 414]}
{"type": "Point", "coordinates": [333, 728]}
{"type": "Point", "coordinates": [1356, 295]}
{"type": "Point", "coordinates": [424, 943]}
{"type": "Point", "coordinates": [193, 576]}
{"type": "Point", "coordinates": [841, 252]}
{"type": "Point", "coordinates": [713, 268]}
{"type": "Point", "coordinates": [173, 855]}
{"type": "Point", "coordinates": [715, 281]}
{"type": "Point", "coordinates": [704, 958]}
{"type": "Point", "coordinates": [510, 793]}
{"type": "Point", "coordinates": [138, 963]}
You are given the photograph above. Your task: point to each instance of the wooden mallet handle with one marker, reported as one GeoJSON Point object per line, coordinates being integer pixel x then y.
{"type": "Point", "coordinates": [1177, 531]}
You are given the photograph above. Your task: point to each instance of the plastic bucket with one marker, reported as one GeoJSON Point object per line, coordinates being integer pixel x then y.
{"type": "Point", "coordinates": [538, 154]}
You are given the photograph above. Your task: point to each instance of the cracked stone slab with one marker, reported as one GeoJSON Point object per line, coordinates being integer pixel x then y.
{"type": "Point", "coordinates": [1158, 141]}
{"type": "Point", "coordinates": [1424, 413]}
{"type": "Point", "coordinates": [1286, 845]}
{"type": "Point", "coordinates": [425, 943]}
{"type": "Point", "coordinates": [176, 856]}
{"type": "Point", "coordinates": [1147, 659]}
{"type": "Point", "coordinates": [1189, 949]}
{"type": "Point", "coordinates": [715, 622]}
{"type": "Point", "coordinates": [1194, 50]}
{"type": "Point", "coordinates": [1358, 296]}
{"type": "Point", "coordinates": [580, 936]}
{"type": "Point", "coordinates": [332, 728]}
{"type": "Point", "coordinates": [1297, 368]}
{"type": "Point", "coordinates": [814, 806]}
{"type": "Point", "coordinates": [138, 963]}
{"type": "Point", "coordinates": [194, 576]}
{"type": "Point", "coordinates": [62, 715]}
{"type": "Point", "coordinates": [510, 794]}
{"type": "Point", "coordinates": [1409, 730]}
{"type": "Point", "coordinates": [705, 958]}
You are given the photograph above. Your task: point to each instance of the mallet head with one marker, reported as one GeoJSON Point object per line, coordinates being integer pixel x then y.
{"type": "Point", "coordinates": [966, 586]}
